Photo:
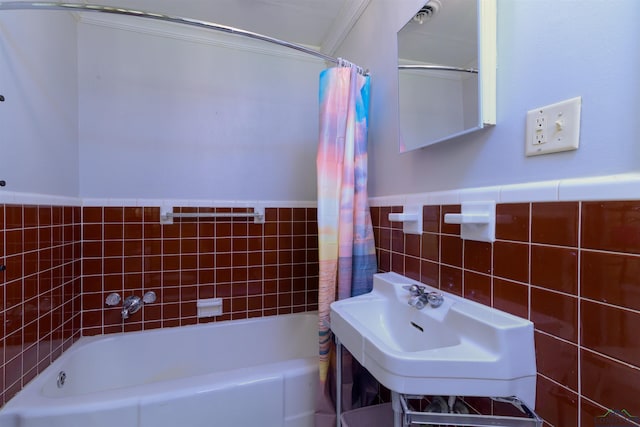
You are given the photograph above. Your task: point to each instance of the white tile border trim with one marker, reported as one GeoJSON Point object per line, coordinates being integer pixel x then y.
{"type": "Point", "coordinates": [16, 198]}
{"type": "Point", "coordinates": [9, 197]}
{"type": "Point", "coordinates": [610, 187]}
{"type": "Point", "coordinates": [205, 203]}
{"type": "Point", "coordinates": [613, 187]}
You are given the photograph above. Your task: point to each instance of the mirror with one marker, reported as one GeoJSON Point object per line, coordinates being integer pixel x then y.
{"type": "Point", "coordinates": [446, 71]}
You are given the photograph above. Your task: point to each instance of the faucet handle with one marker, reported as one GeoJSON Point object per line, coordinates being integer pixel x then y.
{"type": "Point", "coordinates": [113, 299]}
{"type": "Point", "coordinates": [417, 302]}
{"type": "Point", "coordinates": [149, 297]}
{"type": "Point", "coordinates": [435, 299]}
{"type": "Point", "coordinates": [414, 290]}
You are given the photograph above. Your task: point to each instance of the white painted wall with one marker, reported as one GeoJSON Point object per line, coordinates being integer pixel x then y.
{"type": "Point", "coordinates": [177, 112]}
{"type": "Point", "coordinates": [159, 117]}
{"type": "Point", "coordinates": [548, 50]}
{"type": "Point", "coordinates": [39, 119]}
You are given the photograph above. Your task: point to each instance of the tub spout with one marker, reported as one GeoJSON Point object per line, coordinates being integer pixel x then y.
{"type": "Point", "coordinates": [131, 305]}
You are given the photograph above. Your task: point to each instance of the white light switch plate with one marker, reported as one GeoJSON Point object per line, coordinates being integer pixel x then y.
{"type": "Point", "coordinates": [553, 128]}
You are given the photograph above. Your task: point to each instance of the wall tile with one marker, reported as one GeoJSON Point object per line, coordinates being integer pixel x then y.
{"type": "Point", "coordinates": [610, 383]}
{"type": "Point", "coordinates": [555, 223]}
{"type": "Point", "coordinates": [555, 268]}
{"type": "Point", "coordinates": [611, 277]}
{"type": "Point", "coordinates": [477, 287]}
{"type": "Point", "coordinates": [384, 217]}
{"type": "Point", "coordinates": [611, 331]}
{"type": "Point", "coordinates": [429, 273]}
{"type": "Point", "coordinates": [541, 252]}
{"type": "Point", "coordinates": [412, 244]}
{"type": "Point", "coordinates": [478, 256]}
{"type": "Point", "coordinates": [375, 216]}
{"type": "Point", "coordinates": [397, 262]}
{"type": "Point", "coordinates": [451, 279]}
{"type": "Point", "coordinates": [557, 405]}
{"type": "Point", "coordinates": [384, 238]}
{"type": "Point", "coordinates": [555, 313]}
{"type": "Point", "coordinates": [511, 261]}
{"type": "Point", "coordinates": [113, 214]}
{"type": "Point", "coordinates": [430, 246]}
{"type": "Point", "coordinates": [612, 226]}
{"type": "Point", "coordinates": [397, 240]}
{"type": "Point", "coordinates": [38, 248]}
{"type": "Point", "coordinates": [512, 221]}
{"type": "Point", "coordinates": [13, 217]}
{"type": "Point", "coordinates": [451, 250]}
{"type": "Point", "coordinates": [127, 250]}
{"type": "Point", "coordinates": [412, 267]}
{"type": "Point", "coordinates": [539, 271]}
{"type": "Point", "coordinates": [511, 297]}
{"type": "Point", "coordinates": [594, 415]}
{"type": "Point", "coordinates": [557, 359]}
{"type": "Point", "coordinates": [431, 219]}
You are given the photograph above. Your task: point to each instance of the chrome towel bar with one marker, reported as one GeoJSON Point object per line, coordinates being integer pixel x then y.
{"type": "Point", "coordinates": [167, 217]}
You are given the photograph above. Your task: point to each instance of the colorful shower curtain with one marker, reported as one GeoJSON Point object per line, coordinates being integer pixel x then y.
{"type": "Point", "coordinates": [345, 234]}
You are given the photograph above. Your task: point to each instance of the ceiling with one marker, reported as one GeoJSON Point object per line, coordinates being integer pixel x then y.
{"type": "Point", "coordinates": [448, 38]}
{"type": "Point", "coordinates": [318, 23]}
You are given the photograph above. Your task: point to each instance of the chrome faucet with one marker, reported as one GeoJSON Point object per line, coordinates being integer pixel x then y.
{"type": "Point", "coordinates": [131, 303]}
{"type": "Point", "coordinates": [420, 298]}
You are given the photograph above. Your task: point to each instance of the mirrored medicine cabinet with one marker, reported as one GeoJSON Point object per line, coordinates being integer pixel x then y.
{"type": "Point", "coordinates": [446, 71]}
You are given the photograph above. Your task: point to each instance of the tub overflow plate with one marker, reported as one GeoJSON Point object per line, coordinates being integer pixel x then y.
{"type": "Point", "coordinates": [62, 377]}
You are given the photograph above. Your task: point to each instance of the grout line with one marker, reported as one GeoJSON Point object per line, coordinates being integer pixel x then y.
{"type": "Point", "coordinates": [462, 265]}
{"type": "Point", "coordinates": [579, 313]}
{"type": "Point", "coordinates": [610, 252]}
{"type": "Point", "coordinates": [529, 310]}
{"type": "Point", "coordinates": [564, 340]}
{"type": "Point", "coordinates": [606, 304]}
{"type": "Point", "coordinates": [627, 423]}
{"type": "Point", "coordinates": [555, 291]}
{"type": "Point", "coordinates": [613, 359]}
{"type": "Point", "coordinates": [559, 385]}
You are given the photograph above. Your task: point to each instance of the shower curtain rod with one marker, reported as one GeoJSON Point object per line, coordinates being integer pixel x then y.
{"type": "Point", "coordinates": [438, 68]}
{"type": "Point", "coordinates": [80, 7]}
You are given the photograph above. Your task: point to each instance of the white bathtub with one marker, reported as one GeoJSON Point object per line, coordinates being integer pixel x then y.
{"type": "Point", "coordinates": [255, 372]}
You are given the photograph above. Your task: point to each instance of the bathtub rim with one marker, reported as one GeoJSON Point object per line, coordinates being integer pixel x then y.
{"type": "Point", "coordinates": [31, 396]}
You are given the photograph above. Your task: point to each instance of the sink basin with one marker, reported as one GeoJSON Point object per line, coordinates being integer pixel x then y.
{"type": "Point", "coordinates": [461, 348]}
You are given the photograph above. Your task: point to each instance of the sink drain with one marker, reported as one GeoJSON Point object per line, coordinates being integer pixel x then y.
{"type": "Point", "coordinates": [418, 327]}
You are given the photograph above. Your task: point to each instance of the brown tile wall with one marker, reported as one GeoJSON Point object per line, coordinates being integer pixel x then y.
{"type": "Point", "coordinates": [39, 290]}
{"type": "Point", "coordinates": [62, 262]}
{"type": "Point", "coordinates": [257, 269]}
{"type": "Point", "coordinates": [572, 268]}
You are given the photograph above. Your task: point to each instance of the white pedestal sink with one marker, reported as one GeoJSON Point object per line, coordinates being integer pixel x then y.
{"type": "Point", "coordinates": [461, 348]}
